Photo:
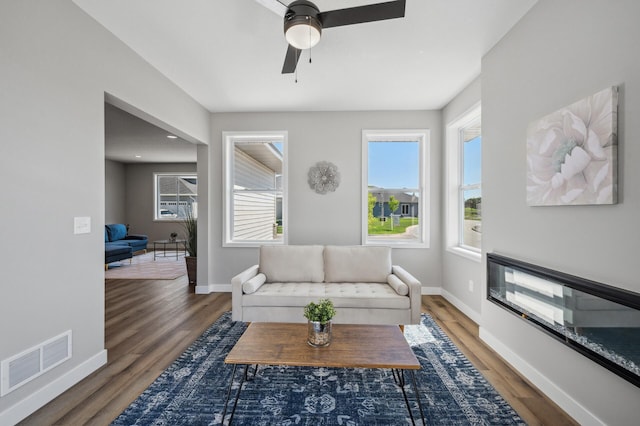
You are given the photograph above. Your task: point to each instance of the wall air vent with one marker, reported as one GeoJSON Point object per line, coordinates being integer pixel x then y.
{"type": "Point", "coordinates": [33, 362]}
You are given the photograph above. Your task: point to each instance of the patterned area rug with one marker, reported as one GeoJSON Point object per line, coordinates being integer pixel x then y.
{"type": "Point", "coordinates": [192, 390]}
{"type": "Point", "coordinates": [143, 267]}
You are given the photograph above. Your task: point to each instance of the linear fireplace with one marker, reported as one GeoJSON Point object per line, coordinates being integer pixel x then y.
{"type": "Point", "coordinates": [599, 321]}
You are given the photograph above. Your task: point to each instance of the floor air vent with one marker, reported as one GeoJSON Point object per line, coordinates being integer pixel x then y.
{"type": "Point", "coordinates": [26, 366]}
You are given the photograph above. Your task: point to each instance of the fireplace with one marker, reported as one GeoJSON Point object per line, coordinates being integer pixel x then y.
{"type": "Point", "coordinates": [599, 321]}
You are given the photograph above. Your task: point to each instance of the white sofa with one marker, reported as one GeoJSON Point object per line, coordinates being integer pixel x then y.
{"type": "Point", "coordinates": [360, 280]}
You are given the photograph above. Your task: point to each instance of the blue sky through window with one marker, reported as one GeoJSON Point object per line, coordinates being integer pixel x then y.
{"type": "Point", "coordinates": [394, 164]}
{"type": "Point", "coordinates": [472, 161]}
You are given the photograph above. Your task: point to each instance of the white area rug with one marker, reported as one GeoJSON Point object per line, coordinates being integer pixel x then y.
{"type": "Point", "coordinates": [143, 267]}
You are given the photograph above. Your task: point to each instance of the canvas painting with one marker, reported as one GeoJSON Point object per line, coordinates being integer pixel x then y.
{"type": "Point", "coordinates": [572, 153]}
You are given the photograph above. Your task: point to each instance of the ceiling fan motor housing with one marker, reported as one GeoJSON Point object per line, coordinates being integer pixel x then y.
{"type": "Point", "coordinates": [302, 12]}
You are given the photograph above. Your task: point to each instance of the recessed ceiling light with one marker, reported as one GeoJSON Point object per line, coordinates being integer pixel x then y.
{"type": "Point", "coordinates": [138, 156]}
{"type": "Point", "coordinates": [172, 137]}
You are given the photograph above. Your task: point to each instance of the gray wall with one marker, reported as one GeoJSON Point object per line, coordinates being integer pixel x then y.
{"type": "Point", "coordinates": [115, 186]}
{"type": "Point", "coordinates": [457, 271]}
{"type": "Point", "coordinates": [55, 67]}
{"type": "Point", "coordinates": [139, 200]}
{"type": "Point", "coordinates": [334, 218]}
{"type": "Point", "coordinates": [561, 52]}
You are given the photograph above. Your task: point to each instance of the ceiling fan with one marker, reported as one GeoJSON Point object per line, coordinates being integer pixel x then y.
{"type": "Point", "coordinates": [303, 22]}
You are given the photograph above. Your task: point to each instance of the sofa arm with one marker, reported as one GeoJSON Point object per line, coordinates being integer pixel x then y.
{"type": "Point", "coordinates": [236, 291]}
{"type": "Point", "coordinates": [415, 291]}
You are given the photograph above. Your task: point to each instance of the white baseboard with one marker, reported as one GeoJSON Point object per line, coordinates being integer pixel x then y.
{"type": "Point", "coordinates": [50, 391]}
{"type": "Point", "coordinates": [431, 291]}
{"type": "Point", "coordinates": [213, 288]}
{"type": "Point", "coordinates": [463, 307]}
{"type": "Point", "coordinates": [557, 395]}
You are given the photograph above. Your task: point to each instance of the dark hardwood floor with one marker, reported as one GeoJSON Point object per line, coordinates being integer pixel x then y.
{"type": "Point", "coordinates": [149, 323]}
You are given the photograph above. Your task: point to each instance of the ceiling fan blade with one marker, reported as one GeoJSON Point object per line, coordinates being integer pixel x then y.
{"type": "Point", "coordinates": [291, 60]}
{"type": "Point", "coordinates": [275, 6]}
{"type": "Point", "coordinates": [361, 14]}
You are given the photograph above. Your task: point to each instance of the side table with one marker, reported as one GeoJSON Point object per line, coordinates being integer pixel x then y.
{"type": "Point", "coordinates": [164, 244]}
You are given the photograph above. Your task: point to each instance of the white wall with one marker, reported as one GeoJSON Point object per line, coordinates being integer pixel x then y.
{"type": "Point", "coordinates": [140, 200]}
{"type": "Point", "coordinates": [55, 67]}
{"type": "Point", "coordinates": [115, 187]}
{"type": "Point", "coordinates": [334, 218]}
{"type": "Point", "coordinates": [457, 271]}
{"type": "Point", "coordinates": [561, 52]}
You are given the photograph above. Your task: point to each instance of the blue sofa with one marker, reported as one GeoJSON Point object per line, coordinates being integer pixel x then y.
{"type": "Point", "coordinates": [118, 245]}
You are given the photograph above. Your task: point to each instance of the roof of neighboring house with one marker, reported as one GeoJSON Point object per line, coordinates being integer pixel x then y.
{"type": "Point", "coordinates": [264, 153]}
{"type": "Point", "coordinates": [383, 195]}
{"type": "Point", "coordinates": [186, 186]}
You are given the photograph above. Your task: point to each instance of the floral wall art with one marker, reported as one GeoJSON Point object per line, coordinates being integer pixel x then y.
{"type": "Point", "coordinates": [323, 177]}
{"type": "Point", "coordinates": [572, 153]}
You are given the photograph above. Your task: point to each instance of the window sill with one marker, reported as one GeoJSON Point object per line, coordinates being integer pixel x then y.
{"type": "Point", "coordinates": [253, 243]}
{"type": "Point", "coordinates": [476, 256]}
{"type": "Point", "coordinates": [396, 244]}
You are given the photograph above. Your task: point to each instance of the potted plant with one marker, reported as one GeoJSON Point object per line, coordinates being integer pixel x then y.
{"type": "Point", "coordinates": [319, 325]}
{"type": "Point", "coordinates": [173, 236]}
{"type": "Point", "coordinates": [190, 225]}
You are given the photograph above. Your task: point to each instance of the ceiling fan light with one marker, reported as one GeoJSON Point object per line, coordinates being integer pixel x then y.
{"type": "Point", "coordinates": [303, 35]}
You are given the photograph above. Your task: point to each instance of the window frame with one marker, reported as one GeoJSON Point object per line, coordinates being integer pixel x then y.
{"type": "Point", "coordinates": [229, 138]}
{"type": "Point", "coordinates": [454, 194]}
{"type": "Point", "coordinates": [422, 136]}
{"type": "Point", "coordinates": [156, 175]}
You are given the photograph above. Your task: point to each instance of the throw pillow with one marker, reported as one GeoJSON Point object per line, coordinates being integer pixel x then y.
{"type": "Point", "coordinates": [401, 288]}
{"type": "Point", "coordinates": [253, 284]}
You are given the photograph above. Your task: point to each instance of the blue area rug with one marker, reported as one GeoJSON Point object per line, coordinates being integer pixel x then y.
{"type": "Point", "coordinates": [192, 390]}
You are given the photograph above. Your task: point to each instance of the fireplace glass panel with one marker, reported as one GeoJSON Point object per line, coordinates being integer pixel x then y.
{"type": "Point", "coordinates": [598, 320]}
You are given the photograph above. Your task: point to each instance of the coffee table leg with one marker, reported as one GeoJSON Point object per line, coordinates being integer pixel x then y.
{"type": "Point", "coordinates": [237, 397]}
{"type": "Point", "coordinates": [398, 377]}
{"type": "Point", "coordinates": [415, 390]}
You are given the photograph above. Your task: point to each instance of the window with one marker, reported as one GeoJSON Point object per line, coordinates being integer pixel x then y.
{"type": "Point", "coordinates": [394, 194]}
{"type": "Point", "coordinates": [176, 195]}
{"type": "Point", "coordinates": [464, 193]}
{"type": "Point", "coordinates": [255, 185]}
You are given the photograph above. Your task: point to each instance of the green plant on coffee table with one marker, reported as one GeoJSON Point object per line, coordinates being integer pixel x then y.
{"type": "Point", "coordinates": [321, 312]}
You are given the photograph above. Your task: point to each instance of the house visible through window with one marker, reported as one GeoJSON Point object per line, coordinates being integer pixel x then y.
{"type": "Point", "coordinates": [394, 194]}
{"type": "Point", "coordinates": [255, 189]}
{"type": "Point", "coordinates": [464, 185]}
{"type": "Point", "coordinates": [176, 196]}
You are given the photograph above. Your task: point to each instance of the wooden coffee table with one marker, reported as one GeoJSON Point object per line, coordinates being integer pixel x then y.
{"type": "Point", "coordinates": [352, 346]}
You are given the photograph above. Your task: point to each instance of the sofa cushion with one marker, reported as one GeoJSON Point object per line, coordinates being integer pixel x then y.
{"type": "Point", "coordinates": [253, 284]}
{"type": "Point", "coordinates": [396, 283]}
{"type": "Point", "coordinates": [116, 231]}
{"type": "Point", "coordinates": [354, 295]}
{"type": "Point", "coordinates": [113, 249]}
{"type": "Point", "coordinates": [344, 264]}
{"type": "Point", "coordinates": [292, 263]}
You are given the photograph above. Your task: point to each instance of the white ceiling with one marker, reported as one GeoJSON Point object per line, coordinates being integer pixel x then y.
{"type": "Point", "coordinates": [228, 54]}
{"type": "Point", "coordinates": [128, 139]}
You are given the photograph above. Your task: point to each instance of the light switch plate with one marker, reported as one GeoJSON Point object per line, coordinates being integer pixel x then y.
{"type": "Point", "coordinates": [81, 225]}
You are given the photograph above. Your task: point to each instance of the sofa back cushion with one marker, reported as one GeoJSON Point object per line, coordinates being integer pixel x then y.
{"type": "Point", "coordinates": [363, 264]}
{"type": "Point", "coordinates": [116, 232]}
{"type": "Point", "coordinates": [284, 264]}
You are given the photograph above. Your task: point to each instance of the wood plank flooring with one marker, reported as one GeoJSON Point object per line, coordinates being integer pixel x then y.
{"type": "Point", "coordinates": [150, 323]}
